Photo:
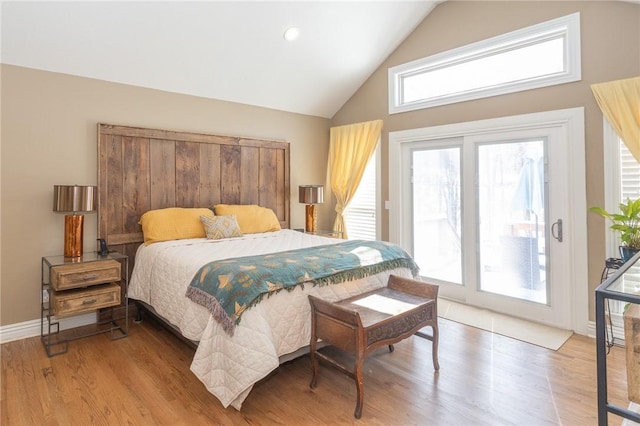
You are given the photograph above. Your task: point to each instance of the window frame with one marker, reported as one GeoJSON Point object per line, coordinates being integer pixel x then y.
{"type": "Point", "coordinates": [612, 198]}
{"type": "Point", "coordinates": [613, 194]}
{"type": "Point", "coordinates": [566, 27]}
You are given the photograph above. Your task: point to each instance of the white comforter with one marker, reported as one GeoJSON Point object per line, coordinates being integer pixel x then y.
{"type": "Point", "coordinates": [279, 325]}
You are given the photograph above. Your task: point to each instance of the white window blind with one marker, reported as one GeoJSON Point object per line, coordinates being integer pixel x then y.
{"type": "Point", "coordinates": [629, 174]}
{"type": "Point", "coordinates": [629, 189]}
{"type": "Point", "coordinates": [360, 215]}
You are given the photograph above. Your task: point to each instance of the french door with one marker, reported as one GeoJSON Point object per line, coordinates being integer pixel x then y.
{"type": "Point", "coordinates": [488, 216]}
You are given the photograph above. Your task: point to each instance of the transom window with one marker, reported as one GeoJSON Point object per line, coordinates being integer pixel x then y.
{"type": "Point", "coordinates": [541, 55]}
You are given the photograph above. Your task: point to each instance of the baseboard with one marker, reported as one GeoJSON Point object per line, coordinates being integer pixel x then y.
{"type": "Point", "coordinates": [31, 328]}
{"type": "Point", "coordinates": [617, 325]}
{"type": "Point", "coordinates": [23, 330]}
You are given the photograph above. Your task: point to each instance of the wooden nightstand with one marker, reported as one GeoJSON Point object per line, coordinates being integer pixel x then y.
{"type": "Point", "coordinates": [73, 286]}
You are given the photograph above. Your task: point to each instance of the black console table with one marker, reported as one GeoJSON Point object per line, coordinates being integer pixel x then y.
{"type": "Point", "coordinates": [615, 287]}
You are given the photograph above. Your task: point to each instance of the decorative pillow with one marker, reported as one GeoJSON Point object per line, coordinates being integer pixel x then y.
{"type": "Point", "coordinates": [173, 223]}
{"type": "Point", "coordinates": [251, 218]}
{"type": "Point", "coordinates": [217, 227]}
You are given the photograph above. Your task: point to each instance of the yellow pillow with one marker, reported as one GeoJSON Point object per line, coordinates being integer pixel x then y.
{"type": "Point", "coordinates": [173, 223]}
{"type": "Point", "coordinates": [251, 218]}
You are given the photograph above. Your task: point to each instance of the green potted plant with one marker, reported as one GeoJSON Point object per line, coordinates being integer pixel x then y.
{"type": "Point", "coordinates": [627, 222]}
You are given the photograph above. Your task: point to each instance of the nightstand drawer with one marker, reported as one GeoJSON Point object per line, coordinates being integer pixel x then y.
{"type": "Point", "coordinates": [74, 302]}
{"type": "Point", "coordinates": [84, 274]}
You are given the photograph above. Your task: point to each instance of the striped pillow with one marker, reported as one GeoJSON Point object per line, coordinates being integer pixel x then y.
{"type": "Point", "coordinates": [217, 227]}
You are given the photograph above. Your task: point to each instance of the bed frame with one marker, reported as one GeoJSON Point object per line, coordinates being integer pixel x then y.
{"type": "Point", "coordinates": [143, 169]}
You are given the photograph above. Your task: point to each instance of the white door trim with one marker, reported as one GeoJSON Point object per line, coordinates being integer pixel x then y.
{"type": "Point", "coordinates": [572, 122]}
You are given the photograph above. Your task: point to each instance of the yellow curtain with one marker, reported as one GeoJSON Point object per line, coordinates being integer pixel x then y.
{"type": "Point", "coordinates": [620, 103]}
{"type": "Point", "coordinates": [350, 148]}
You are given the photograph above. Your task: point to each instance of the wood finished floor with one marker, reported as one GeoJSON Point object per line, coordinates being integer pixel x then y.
{"type": "Point", "coordinates": [144, 379]}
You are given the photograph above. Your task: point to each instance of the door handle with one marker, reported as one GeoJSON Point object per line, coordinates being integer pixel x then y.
{"type": "Point", "coordinates": [556, 230]}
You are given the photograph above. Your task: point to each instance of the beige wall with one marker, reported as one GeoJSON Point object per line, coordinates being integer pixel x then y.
{"type": "Point", "coordinates": [610, 34]}
{"type": "Point", "coordinates": [48, 126]}
{"type": "Point", "coordinates": [49, 137]}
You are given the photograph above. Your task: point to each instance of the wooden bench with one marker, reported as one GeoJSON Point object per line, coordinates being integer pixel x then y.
{"type": "Point", "coordinates": [360, 324]}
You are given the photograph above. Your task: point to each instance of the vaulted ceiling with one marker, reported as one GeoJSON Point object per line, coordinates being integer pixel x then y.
{"type": "Point", "coordinates": [227, 50]}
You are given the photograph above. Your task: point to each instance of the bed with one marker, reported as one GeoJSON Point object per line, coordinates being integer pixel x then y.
{"type": "Point", "coordinates": [143, 170]}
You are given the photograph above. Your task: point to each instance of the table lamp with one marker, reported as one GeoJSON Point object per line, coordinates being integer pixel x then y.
{"type": "Point", "coordinates": [73, 200]}
{"type": "Point", "coordinates": [310, 195]}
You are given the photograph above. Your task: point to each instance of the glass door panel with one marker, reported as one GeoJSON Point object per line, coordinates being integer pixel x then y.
{"type": "Point", "coordinates": [481, 204]}
{"type": "Point", "coordinates": [511, 227]}
{"type": "Point", "coordinates": [437, 239]}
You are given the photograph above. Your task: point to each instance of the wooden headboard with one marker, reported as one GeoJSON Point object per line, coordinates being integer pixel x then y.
{"type": "Point", "coordinates": [143, 169]}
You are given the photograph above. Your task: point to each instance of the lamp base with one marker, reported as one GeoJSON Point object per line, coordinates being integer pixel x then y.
{"type": "Point", "coordinates": [73, 235]}
{"type": "Point", "coordinates": [311, 218]}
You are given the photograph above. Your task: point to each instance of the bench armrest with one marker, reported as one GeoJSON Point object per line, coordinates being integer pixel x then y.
{"type": "Point", "coordinates": [415, 287]}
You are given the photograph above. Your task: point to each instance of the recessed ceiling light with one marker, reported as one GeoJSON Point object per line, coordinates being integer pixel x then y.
{"type": "Point", "coordinates": [291, 33]}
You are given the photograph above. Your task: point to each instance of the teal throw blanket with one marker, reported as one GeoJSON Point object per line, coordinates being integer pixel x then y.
{"type": "Point", "coordinates": [229, 287]}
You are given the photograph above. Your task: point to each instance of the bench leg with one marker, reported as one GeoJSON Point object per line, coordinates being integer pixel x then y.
{"type": "Point", "coordinates": [434, 347]}
{"type": "Point", "coordinates": [434, 342]}
{"type": "Point", "coordinates": [359, 386]}
{"type": "Point", "coordinates": [314, 358]}
{"type": "Point", "coordinates": [314, 369]}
